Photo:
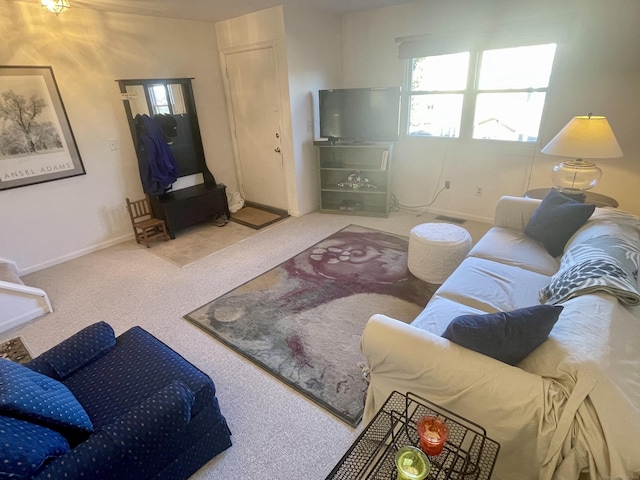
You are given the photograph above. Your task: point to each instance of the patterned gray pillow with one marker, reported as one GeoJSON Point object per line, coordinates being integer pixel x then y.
{"type": "Point", "coordinates": [600, 264]}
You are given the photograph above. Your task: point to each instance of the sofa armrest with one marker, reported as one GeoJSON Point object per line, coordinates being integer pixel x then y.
{"type": "Point", "coordinates": [134, 444]}
{"type": "Point", "coordinates": [75, 352]}
{"type": "Point", "coordinates": [514, 212]}
{"type": "Point", "coordinates": [507, 401]}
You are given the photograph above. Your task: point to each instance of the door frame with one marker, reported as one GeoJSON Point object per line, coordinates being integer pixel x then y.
{"type": "Point", "coordinates": [270, 44]}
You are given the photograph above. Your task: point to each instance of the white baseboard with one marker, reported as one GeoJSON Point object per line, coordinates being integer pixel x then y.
{"type": "Point", "coordinates": [76, 254]}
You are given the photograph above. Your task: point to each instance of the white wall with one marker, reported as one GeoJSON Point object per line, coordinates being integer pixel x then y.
{"type": "Point", "coordinates": [597, 70]}
{"type": "Point", "coordinates": [314, 57]}
{"type": "Point", "coordinates": [44, 224]}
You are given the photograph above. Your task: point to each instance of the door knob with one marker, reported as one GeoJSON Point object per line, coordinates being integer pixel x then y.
{"type": "Point", "coordinates": [277, 149]}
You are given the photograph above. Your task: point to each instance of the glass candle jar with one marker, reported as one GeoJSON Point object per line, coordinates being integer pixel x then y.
{"type": "Point", "coordinates": [433, 434]}
{"type": "Point", "coordinates": [412, 464]}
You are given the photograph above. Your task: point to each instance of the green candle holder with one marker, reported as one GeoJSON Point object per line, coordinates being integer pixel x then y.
{"type": "Point", "coordinates": [412, 463]}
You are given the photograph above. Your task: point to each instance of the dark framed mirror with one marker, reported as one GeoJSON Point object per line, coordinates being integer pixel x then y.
{"type": "Point", "coordinates": [168, 105]}
{"type": "Point", "coordinates": [171, 103]}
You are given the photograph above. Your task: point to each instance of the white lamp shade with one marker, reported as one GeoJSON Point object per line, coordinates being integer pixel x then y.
{"type": "Point", "coordinates": [55, 6]}
{"type": "Point", "coordinates": [587, 136]}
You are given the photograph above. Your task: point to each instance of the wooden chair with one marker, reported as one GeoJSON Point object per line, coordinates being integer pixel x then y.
{"type": "Point", "coordinates": [145, 226]}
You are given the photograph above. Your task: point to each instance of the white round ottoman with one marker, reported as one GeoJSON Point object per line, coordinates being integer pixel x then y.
{"type": "Point", "coordinates": [436, 250]}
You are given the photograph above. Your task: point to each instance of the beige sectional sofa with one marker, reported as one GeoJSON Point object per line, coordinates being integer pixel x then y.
{"type": "Point", "coordinates": [572, 406]}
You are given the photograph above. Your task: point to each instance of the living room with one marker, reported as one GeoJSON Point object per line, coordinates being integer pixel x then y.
{"type": "Point", "coordinates": [597, 70]}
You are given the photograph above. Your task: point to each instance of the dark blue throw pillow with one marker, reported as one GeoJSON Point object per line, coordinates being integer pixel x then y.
{"type": "Point", "coordinates": [505, 336]}
{"type": "Point", "coordinates": [34, 397]}
{"type": "Point", "coordinates": [25, 447]}
{"type": "Point", "coordinates": [556, 219]}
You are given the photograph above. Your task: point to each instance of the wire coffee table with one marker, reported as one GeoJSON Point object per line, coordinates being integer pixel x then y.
{"type": "Point", "coordinates": [467, 454]}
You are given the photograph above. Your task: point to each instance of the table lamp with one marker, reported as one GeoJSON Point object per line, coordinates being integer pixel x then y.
{"type": "Point", "coordinates": [583, 137]}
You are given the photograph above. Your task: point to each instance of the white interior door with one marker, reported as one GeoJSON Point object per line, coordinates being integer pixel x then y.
{"type": "Point", "coordinates": [256, 110]}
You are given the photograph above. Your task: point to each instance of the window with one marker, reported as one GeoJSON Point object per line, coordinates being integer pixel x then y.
{"type": "Point", "coordinates": [492, 94]}
{"type": "Point", "coordinates": [159, 99]}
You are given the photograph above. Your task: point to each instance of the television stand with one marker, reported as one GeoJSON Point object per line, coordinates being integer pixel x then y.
{"type": "Point", "coordinates": [355, 178]}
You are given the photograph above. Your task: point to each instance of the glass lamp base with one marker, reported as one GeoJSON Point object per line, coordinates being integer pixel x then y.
{"type": "Point", "coordinates": [575, 176]}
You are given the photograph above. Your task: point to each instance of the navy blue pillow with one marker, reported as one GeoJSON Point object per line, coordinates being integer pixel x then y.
{"type": "Point", "coordinates": [34, 397]}
{"type": "Point", "coordinates": [25, 447]}
{"type": "Point", "coordinates": [556, 219]}
{"type": "Point", "coordinates": [505, 336]}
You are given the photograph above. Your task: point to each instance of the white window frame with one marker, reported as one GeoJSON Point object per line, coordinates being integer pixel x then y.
{"type": "Point", "coordinates": [470, 94]}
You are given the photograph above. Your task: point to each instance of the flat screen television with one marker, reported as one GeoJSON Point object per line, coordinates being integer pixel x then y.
{"type": "Point", "coordinates": [360, 114]}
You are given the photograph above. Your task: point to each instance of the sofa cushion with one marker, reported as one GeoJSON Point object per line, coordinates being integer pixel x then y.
{"type": "Point", "coordinates": [25, 447]}
{"type": "Point", "coordinates": [606, 264]}
{"type": "Point", "coordinates": [556, 219]}
{"type": "Point", "coordinates": [34, 397]}
{"type": "Point", "coordinates": [491, 286]}
{"type": "Point", "coordinates": [75, 352]}
{"type": "Point", "coordinates": [505, 336]}
{"type": "Point", "coordinates": [115, 383]}
{"type": "Point", "coordinates": [513, 247]}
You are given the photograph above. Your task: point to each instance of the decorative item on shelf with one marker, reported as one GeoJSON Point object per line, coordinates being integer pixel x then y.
{"type": "Point", "coordinates": [356, 180]}
{"type": "Point", "coordinates": [412, 463]}
{"type": "Point", "coordinates": [55, 6]}
{"type": "Point", "coordinates": [583, 137]}
{"type": "Point", "coordinates": [350, 206]}
{"type": "Point", "coordinates": [433, 434]}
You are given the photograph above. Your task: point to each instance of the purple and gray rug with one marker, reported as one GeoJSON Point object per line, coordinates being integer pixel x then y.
{"type": "Point", "coordinates": [302, 320]}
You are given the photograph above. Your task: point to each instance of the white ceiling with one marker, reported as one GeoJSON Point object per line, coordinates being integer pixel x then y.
{"type": "Point", "coordinates": [216, 10]}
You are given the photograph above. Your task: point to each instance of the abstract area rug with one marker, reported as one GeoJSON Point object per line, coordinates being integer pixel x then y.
{"type": "Point", "coordinates": [302, 320]}
{"type": "Point", "coordinates": [15, 350]}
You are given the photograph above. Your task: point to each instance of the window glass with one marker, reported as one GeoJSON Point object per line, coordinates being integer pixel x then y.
{"type": "Point", "coordinates": [440, 73]}
{"type": "Point", "coordinates": [159, 100]}
{"type": "Point", "coordinates": [508, 116]}
{"type": "Point", "coordinates": [435, 115]}
{"type": "Point", "coordinates": [516, 68]}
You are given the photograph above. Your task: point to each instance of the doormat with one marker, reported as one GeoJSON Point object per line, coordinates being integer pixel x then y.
{"type": "Point", "coordinates": [15, 350]}
{"type": "Point", "coordinates": [257, 217]}
{"type": "Point", "coordinates": [302, 320]}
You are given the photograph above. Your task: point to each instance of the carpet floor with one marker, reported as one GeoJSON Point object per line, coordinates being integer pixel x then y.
{"type": "Point", "coordinates": [302, 320]}
{"type": "Point", "coordinates": [277, 433]}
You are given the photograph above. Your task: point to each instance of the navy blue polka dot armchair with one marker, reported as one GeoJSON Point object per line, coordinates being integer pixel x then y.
{"type": "Point", "coordinates": [154, 415]}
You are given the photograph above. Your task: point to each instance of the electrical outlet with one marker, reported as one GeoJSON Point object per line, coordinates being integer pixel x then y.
{"type": "Point", "coordinates": [478, 191]}
{"type": "Point", "coordinates": [447, 184]}
{"type": "Point", "coordinates": [113, 144]}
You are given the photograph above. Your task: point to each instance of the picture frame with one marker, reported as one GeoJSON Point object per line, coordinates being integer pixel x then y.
{"type": "Point", "coordinates": [36, 141]}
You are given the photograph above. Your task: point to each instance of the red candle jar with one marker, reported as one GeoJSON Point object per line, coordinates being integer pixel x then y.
{"type": "Point", "coordinates": [433, 434]}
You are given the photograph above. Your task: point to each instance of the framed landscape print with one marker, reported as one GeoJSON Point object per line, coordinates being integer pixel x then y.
{"type": "Point", "coordinates": [36, 141]}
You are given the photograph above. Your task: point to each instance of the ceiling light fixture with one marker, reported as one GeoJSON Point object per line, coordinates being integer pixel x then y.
{"type": "Point", "coordinates": [55, 6]}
